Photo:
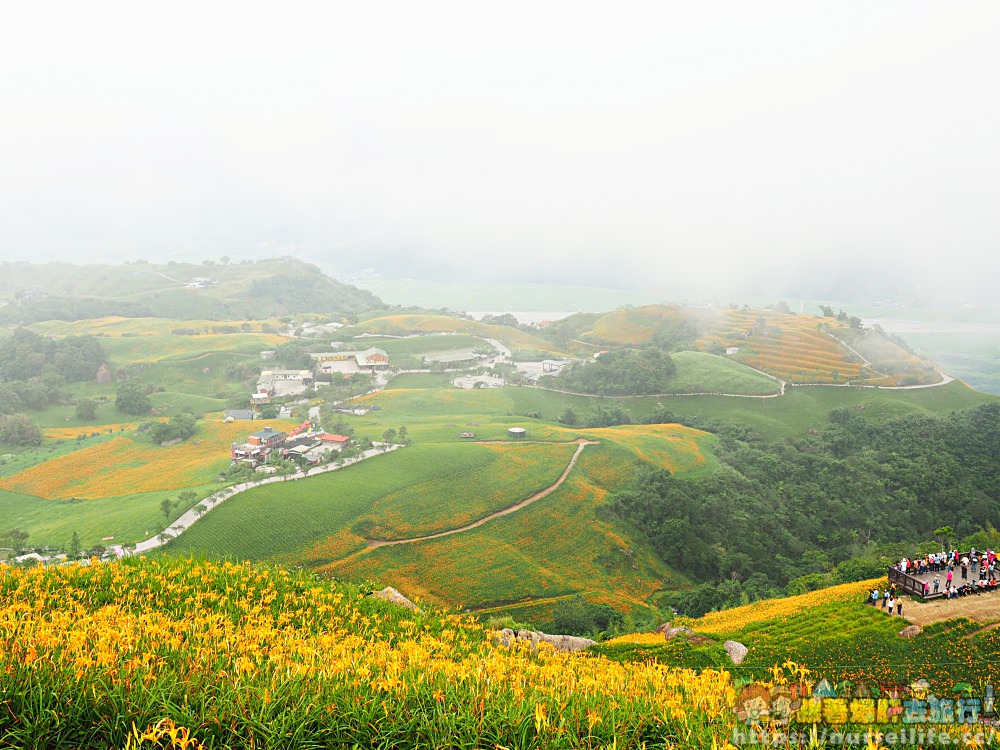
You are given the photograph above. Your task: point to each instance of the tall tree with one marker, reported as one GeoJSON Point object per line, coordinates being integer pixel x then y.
{"type": "Point", "coordinates": [131, 398]}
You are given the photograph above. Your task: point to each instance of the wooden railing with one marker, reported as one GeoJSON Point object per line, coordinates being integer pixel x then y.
{"type": "Point", "coordinates": [909, 584]}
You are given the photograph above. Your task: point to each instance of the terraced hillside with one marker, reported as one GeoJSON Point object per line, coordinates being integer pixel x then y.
{"type": "Point", "coordinates": [797, 348]}
{"type": "Point", "coordinates": [111, 482]}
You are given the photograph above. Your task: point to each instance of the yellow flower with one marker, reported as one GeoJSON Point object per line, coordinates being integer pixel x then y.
{"type": "Point", "coordinates": [541, 718]}
{"type": "Point", "coordinates": [593, 719]}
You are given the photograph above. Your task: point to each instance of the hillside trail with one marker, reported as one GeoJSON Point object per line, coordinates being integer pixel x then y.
{"type": "Point", "coordinates": [581, 444]}
{"type": "Point", "coordinates": [982, 608]}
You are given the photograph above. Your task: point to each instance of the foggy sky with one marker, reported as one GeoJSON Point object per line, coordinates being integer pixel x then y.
{"type": "Point", "coordinates": [734, 143]}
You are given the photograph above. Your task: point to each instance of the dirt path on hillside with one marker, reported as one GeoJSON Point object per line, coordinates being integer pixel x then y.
{"type": "Point", "coordinates": [581, 444]}
{"type": "Point", "coordinates": [984, 608]}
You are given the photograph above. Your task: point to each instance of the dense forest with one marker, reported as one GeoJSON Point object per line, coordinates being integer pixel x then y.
{"type": "Point", "coordinates": [835, 505]}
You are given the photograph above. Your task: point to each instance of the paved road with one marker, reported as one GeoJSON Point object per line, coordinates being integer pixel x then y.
{"type": "Point", "coordinates": [188, 518]}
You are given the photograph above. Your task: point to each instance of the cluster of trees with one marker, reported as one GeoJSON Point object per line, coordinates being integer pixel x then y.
{"type": "Point", "coordinates": [395, 437]}
{"type": "Point", "coordinates": [626, 372]}
{"type": "Point", "coordinates": [852, 320]}
{"type": "Point", "coordinates": [343, 386]}
{"type": "Point", "coordinates": [775, 513]}
{"type": "Point", "coordinates": [294, 355]}
{"type": "Point", "coordinates": [184, 500]}
{"type": "Point", "coordinates": [602, 416]}
{"type": "Point", "coordinates": [176, 428]}
{"type": "Point", "coordinates": [577, 616]}
{"type": "Point", "coordinates": [71, 308]}
{"type": "Point", "coordinates": [26, 355]}
{"type": "Point", "coordinates": [17, 429]}
{"type": "Point", "coordinates": [506, 319]}
{"type": "Point", "coordinates": [36, 393]}
{"type": "Point", "coordinates": [14, 539]}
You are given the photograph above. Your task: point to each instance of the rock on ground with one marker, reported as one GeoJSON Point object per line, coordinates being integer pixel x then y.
{"type": "Point", "coordinates": [505, 638]}
{"type": "Point", "coordinates": [389, 594]}
{"type": "Point", "coordinates": [674, 632]}
{"type": "Point", "coordinates": [560, 642]}
{"type": "Point", "coordinates": [911, 631]}
{"type": "Point", "coordinates": [736, 650]}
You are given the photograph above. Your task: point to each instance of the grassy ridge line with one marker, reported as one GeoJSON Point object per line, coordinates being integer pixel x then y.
{"type": "Point", "coordinates": [117, 326]}
{"type": "Point", "coordinates": [641, 325]}
{"type": "Point", "coordinates": [270, 288]}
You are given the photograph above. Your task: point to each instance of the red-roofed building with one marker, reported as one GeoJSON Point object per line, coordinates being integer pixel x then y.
{"type": "Point", "coordinates": [333, 441]}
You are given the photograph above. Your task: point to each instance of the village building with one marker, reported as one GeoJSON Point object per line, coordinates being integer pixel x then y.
{"type": "Point", "coordinates": [238, 415]}
{"type": "Point", "coordinates": [284, 382]}
{"type": "Point", "coordinates": [333, 441]}
{"type": "Point", "coordinates": [455, 358]}
{"type": "Point", "coordinates": [312, 447]}
{"type": "Point", "coordinates": [369, 360]}
{"type": "Point", "coordinates": [314, 330]}
{"type": "Point", "coordinates": [258, 445]}
{"type": "Point", "coordinates": [298, 447]}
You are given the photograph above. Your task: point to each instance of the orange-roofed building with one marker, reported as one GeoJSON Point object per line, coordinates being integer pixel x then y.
{"type": "Point", "coordinates": [332, 440]}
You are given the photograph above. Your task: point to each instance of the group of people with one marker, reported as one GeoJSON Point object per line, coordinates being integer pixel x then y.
{"type": "Point", "coordinates": [889, 598]}
{"type": "Point", "coordinates": [970, 588]}
{"type": "Point", "coordinates": [981, 563]}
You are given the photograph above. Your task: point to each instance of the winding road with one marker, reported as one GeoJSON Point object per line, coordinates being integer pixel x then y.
{"type": "Point", "coordinates": [581, 444]}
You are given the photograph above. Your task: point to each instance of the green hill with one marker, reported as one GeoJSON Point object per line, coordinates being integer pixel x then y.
{"type": "Point", "coordinates": [252, 290]}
